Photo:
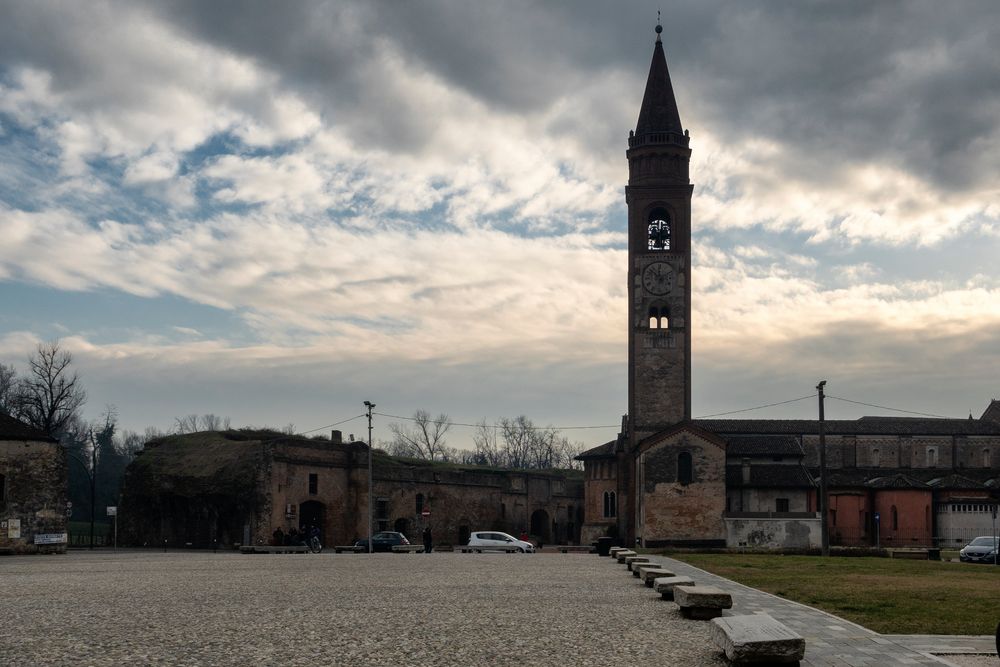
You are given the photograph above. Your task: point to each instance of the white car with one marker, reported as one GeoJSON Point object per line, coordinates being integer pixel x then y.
{"type": "Point", "coordinates": [487, 539]}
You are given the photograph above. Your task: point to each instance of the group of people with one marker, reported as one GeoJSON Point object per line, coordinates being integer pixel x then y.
{"type": "Point", "coordinates": [294, 537]}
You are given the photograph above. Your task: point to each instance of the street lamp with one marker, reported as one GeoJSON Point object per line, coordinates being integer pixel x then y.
{"type": "Point", "coordinates": [92, 475]}
{"type": "Point", "coordinates": [370, 406]}
{"type": "Point", "coordinates": [824, 516]}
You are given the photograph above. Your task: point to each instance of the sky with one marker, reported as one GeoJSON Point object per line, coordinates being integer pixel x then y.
{"type": "Point", "coordinates": [276, 211]}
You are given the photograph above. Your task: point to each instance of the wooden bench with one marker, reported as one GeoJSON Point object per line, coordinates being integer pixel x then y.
{"type": "Point", "coordinates": [267, 549]}
{"type": "Point", "coordinates": [632, 562]}
{"type": "Point", "coordinates": [407, 548]}
{"type": "Point", "coordinates": [702, 602]}
{"type": "Point", "coordinates": [665, 585]}
{"type": "Point", "coordinates": [757, 638]}
{"type": "Point", "coordinates": [348, 548]}
{"type": "Point", "coordinates": [623, 554]}
{"type": "Point", "coordinates": [649, 573]}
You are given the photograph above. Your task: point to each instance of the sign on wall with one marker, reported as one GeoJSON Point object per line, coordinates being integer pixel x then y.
{"type": "Point", "coordinates": [51, 538]}
{"type": "Point", "coordinates": [14, 529]}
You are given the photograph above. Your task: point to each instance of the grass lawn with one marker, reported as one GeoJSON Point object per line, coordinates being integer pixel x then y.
{"type": "Point", "coordinates": [885, 595]}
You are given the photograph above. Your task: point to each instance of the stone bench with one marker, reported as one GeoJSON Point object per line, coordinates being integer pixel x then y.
{"type": "Point", "coordinates": [267, 549]}
{"type": "Point", "coordinates": [702, 602]}
{"type": "Point", "coordinates": [665, 585]}
{"type": "Point", "coordinates": [348, 548]}
{"type": "Point", "coordinates": [574, 549]}
{"type": "Point", "coordinates": [623, 554]}
{"type": "Point", "coordinates": [407, 548]}
{"type": "Point", "coordinates": [757, 638]}
{"type": "Point", "coordinates": [649, 573]}
{"type": "Point", "coordinates": [632, 562]}
{"type": "Point", "coordinates": [613, 551]}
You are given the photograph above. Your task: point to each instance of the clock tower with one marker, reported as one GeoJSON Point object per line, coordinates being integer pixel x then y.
{"type": "Point", "coordinates": [659, 260]}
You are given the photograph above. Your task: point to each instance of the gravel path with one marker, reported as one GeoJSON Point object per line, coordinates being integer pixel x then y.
{"type": "Point", "coordinates": [197, 608]}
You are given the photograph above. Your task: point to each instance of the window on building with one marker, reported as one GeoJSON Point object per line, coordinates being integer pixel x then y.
{"type": "Point", "coordinates": [833, 517]}
{"type": "Point", "coordinates": [932, 457]}
{"type": "Point", "coordinates": [894, 517]}
{"type": "Point", "coordinates": [659, 317]}
{"type": "Point", "coordinates": [927, 517]}
{"type": "Point", "coordinates": [659, 230]}
{"type": "Point", "coordinates": [420, 503]}
{"type": "Point", "coordinates": [382, 513]}
{"type": "Point", "coordinates": [875, 458]}
{"type": "Point", "coordinates": [781, 504]}
{"type": "Point", "coordinates": [503, 510]}
{"type": "Point", "coordinates": [986, 458]}
{"type": "Point", "coordinates": [313, 483]}
{"type": "Point", "coordinates": [685, 472]}
{"type": "Point", "coordinates": [610, 505]}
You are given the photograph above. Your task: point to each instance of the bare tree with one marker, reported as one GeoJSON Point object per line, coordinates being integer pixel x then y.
{"type": "Point", "coordinates": [188, 424]}
{"type": "Point", "coordinates": [51, 394]}
{"type": "Point", "coordinates": [212, 422]}
{"type": "Point", "coordinates": [8, 389]}
{"type": "Point", "coordinates": [518, 443]}
{"type": "Point", "coordinates": [424, 439]}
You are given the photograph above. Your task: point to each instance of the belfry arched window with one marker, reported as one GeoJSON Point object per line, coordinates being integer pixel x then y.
{"type": "Point", "coordinates": [659, 230]}
{"type": "Point", "coordinates": [610, 505]}
{"type": "Point", "coordinates": [685, 471]}
{"type": "Point", "coordinates": [659, 317]}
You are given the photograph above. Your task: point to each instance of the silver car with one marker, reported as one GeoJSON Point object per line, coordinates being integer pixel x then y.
{"type": "Point", "coordinates": [492, 538]}
{"type": "Point", "coordinates": [980, 550]}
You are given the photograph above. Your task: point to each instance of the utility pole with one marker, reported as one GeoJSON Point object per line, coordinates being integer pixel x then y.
{"type": "Point", "coordinates": [370, 406]}
{"type": "Point", "coordinates": [824, 500]}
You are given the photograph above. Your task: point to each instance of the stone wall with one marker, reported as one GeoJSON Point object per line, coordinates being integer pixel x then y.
{"type": "Point", "coordinates": [34, 494]}
{"type": "Point", "coordinates": [765, 533]}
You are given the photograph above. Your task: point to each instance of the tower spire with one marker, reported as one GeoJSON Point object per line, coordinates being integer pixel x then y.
{"type": "Point", "coordinates": [658, 113]}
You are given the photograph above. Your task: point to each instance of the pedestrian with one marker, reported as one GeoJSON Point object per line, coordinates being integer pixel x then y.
{"type": "Point", "coordinates": [278, 536]}
{"type": "Point", "coordinates": [292, 539]}
{"type": "Point", "coordinates": [428, 540]}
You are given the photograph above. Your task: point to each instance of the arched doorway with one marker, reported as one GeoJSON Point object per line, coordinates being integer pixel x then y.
{"type": "Point", "coordinates": [541, 526]}
{"type": "Point", "coordinates": [312, 513]}
{"type": "Point", "coordinates": [401, 526]}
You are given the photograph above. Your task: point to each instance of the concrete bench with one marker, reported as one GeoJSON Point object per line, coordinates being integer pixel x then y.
{"type": "Point", "coordinates": [348, 548]}
{"type": "Point", "coordinates": [665, 585]}
{"type": "Point", "coordinates": [573, 549]}
{"type": "Point", "coordinates": [621, 555]}
{"type": "Point", "coordinates": [632, 562]}
{"type": "Point", "coordinates": [650, 574]}
{"type": "Point", "coordinates": [407, 548]}
{"type": "Point", "coordinates": [267, 549]}
{"type": "Point", "coordinates": [702, 602]}
{"type": "Point", "coordinates": [757, 638]}
{"type": "Point", "coordinates": [488, 548]}
{"type": "Point", "coordinates": [613, 551]}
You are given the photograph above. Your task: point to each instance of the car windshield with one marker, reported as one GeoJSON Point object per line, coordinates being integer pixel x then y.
{"type": "Point", "coordinates": [983, 542]}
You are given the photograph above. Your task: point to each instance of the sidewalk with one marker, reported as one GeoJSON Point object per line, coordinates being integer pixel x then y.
{"type": "Point", "coordinates": [831, 641]}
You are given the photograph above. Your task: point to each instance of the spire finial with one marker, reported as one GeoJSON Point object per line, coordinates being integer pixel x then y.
{"type": "Point", "coordinates": [659, 28]}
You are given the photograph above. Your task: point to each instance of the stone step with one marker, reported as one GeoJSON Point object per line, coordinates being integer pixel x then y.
{"type": "Point", "coordinates": [757, 638]}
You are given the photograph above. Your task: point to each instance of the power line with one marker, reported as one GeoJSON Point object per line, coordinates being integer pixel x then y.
{"type": "Point", "coordinates": [759, 407]}
{"type": "Point", "coordinates": [495, 425]}
{"type": "Point", "coordinates": [884, 407]}
{"type": "Point", "coordinates": [342, 421]}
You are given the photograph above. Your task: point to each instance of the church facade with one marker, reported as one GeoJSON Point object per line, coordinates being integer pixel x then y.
{"type": "Point", "coordinates": [668, 479]}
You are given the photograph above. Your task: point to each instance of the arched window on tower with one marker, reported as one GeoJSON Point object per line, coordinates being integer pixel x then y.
{"type": "Point", "coordinates": [875, 458]}
{"type": "Point", "coordinates": [685, 469]}
{"type": "Point", "coordinates": [658, 230]}
{"type": "Point", "coordinates": [659, 317]}
{"type": "Point", "coordinates": [931, 457]}
{"type": "Point", "coordinates": [895, 517]}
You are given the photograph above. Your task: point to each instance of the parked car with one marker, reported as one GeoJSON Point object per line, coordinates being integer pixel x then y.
{"type": "Point", "coordinates": [383, 541]}
{"type": "Point", "coordinates": [492, 538]}
{"type": "Point", "coordinates": [980, 550]}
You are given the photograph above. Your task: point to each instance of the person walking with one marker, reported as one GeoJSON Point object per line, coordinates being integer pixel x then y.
{"type": "Point", "coordinates": [428, 540]}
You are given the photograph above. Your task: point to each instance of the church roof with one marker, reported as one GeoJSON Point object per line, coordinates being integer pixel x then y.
{"type": "Point", "coordinates": [955, 481]}
{"type": "Point", "coordinates": [763, 445]}
{"type": "Point", "coordinates": [769, 475]}
{"type": "Point", "coordinates": [659, 109]}
{"type": "Point", "coordinates": [862, 426]}
{"type": "Point", "coordinates": [897, 481]}
{"type": "Point", "coordinates": [606, 450]}
{"type": "Point", "coordinates": [15, 429]}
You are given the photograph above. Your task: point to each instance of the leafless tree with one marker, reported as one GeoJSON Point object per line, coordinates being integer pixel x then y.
{"type": "Point", "coordinates": [212, 422]}
{"type": "Point", "coordinates": [188, 424]}
{"type": "Point", "coordinates": [8, 389]}
{"type": "Point", "coordinates": [424, 439]}
{"type": "Point", "coordinates": [518, 443]}
{"type": "Point", "coordinates": [50, 395]}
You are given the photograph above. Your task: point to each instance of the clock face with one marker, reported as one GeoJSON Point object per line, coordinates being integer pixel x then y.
{"type": "Point", "coordinates": [658, 278]}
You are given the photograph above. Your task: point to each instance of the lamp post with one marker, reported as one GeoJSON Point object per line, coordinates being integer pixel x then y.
{"type": "Point", "coordinates": [92, 474]}
{"type": "Point", "coordinates": [370, 406]}
{"type": "Point", "coordinates": [824, 510]}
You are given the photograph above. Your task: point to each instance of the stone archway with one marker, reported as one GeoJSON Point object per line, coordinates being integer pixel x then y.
{"type": "Point", "coordinates": [541, 526]}
{"type": "Point", "coordinates": [402, 525]}
{"type": "Point", "coordinates": [312, 513]}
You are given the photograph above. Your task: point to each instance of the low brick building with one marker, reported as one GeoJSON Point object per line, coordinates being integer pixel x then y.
{"type": "Point", "coordinates": [33, 490]}
{"type": "Point", "coordinates": [222, 488]}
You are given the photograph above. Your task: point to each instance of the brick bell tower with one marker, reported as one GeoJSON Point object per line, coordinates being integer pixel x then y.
{"type": "Point", "coordinates": [659, 279]}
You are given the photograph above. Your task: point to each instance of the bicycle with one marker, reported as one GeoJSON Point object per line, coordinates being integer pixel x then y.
{"type": "Point", "coordinates": [314, 545]}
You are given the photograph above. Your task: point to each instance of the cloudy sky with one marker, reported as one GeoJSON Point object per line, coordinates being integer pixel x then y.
{"type": "Point", "coordinates": [275, 211]}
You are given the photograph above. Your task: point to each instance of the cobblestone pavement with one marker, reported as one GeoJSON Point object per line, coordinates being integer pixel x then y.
{"type": "Point", "coordinates": [833, 642]}
{"type": "Point", "coordinates": [199, 608]}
